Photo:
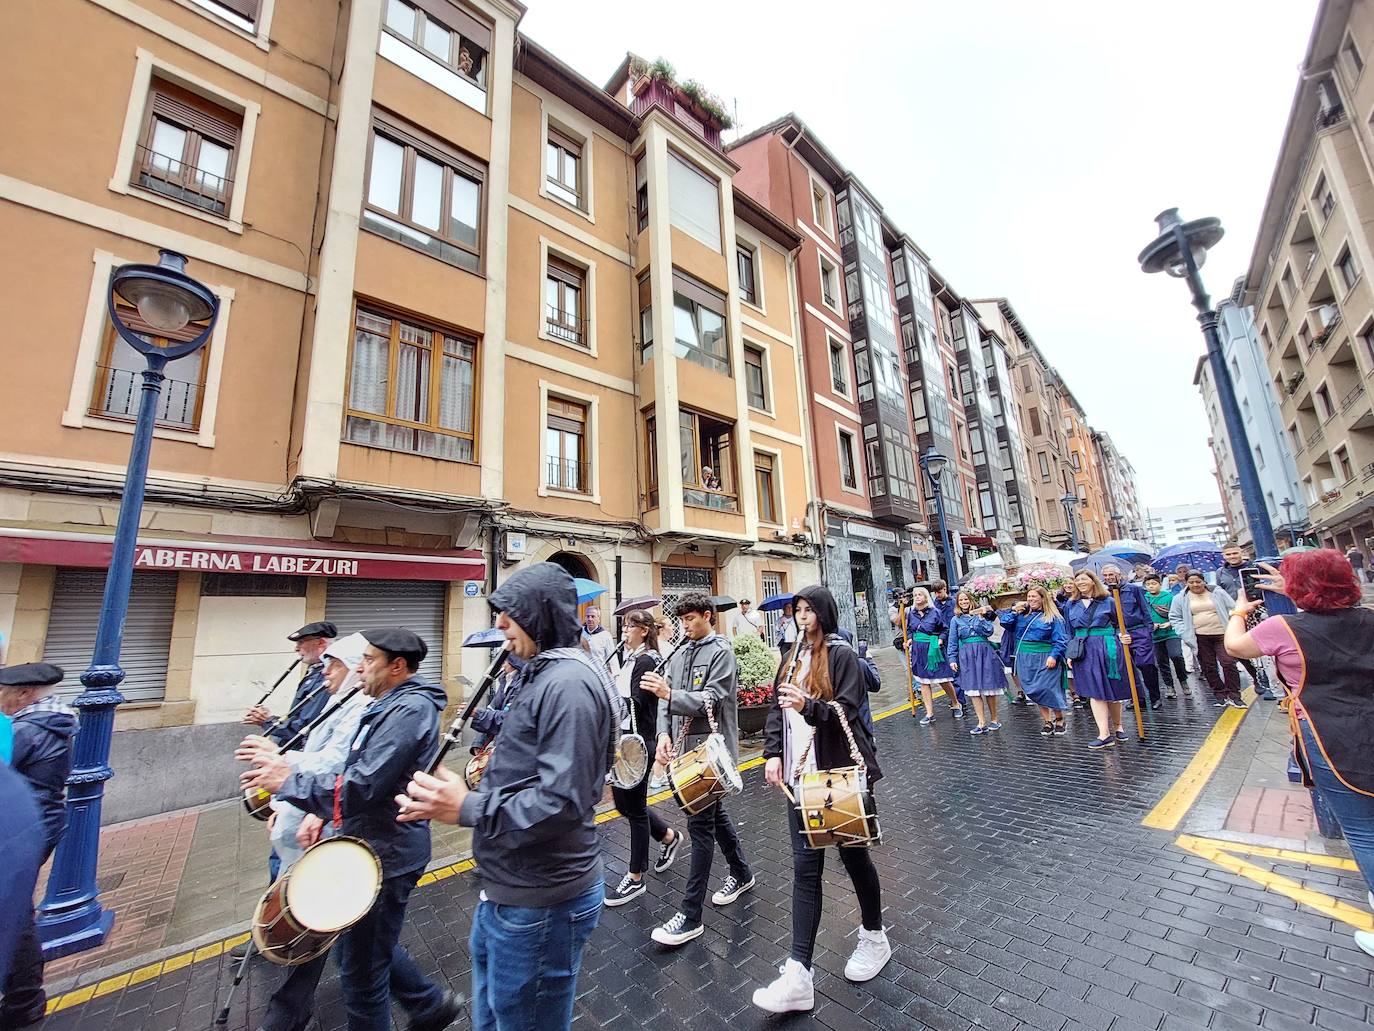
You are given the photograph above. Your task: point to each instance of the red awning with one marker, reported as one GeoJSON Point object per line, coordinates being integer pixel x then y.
{"type": "Point", "coordinates": [215, 554]}
{"type": "Point", "coordinates": [979, 542]}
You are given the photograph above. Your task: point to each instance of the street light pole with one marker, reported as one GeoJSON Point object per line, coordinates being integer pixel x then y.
{"type": "Point", "coordinates": [1119, 524]}
{"type": "Point", "coordinates": [934, 465]}
{"type": "Point", "coordinates": [1180, 249]}
{"type": "Point", "coordinates": [71, 918]}
{"type": "Point", "coordinates": [1068, 501]}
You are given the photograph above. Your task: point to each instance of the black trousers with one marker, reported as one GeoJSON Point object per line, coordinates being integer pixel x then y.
{"type": "Point", "coordinates": [1163, 658]}
{"type": "Point", "coordinates": [707, 830]}
{"type": "Point", "coordinates": [23, 988]}
{"type": "Point", "coordinates": [808, 866]}
{"type": "Point", "coordinates": [644, 822]}
{"type": "Point", "coordinates": [1211, 653]}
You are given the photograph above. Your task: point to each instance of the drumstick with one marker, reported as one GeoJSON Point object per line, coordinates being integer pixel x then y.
{"type": "Point", "coordinates": [455, 732]}
{"type": "Point", "coordinates": [268, 693]}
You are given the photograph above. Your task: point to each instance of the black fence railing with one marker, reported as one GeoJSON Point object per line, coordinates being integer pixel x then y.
{"type": "Point", "coordinates": [119, 389]}
{"type": "Point", "coordinates": [564, 325]}
{"type": "Point", "coordinates": [567, 474]}
{"type": "Point", "coordinates": [172, 177]}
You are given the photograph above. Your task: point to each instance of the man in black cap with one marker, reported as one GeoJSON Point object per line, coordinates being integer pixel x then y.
{"type": "Point", "coordinates": [311, 641]}
{"type": "Point", "coordinates": [533, 816]}
{"type": "Point", "coordinates": [43, 732]}
{"type": "Point", "coordinates": [398, 732]}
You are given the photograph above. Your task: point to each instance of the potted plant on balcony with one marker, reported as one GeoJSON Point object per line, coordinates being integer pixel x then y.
{"type": "Point", "coordinates": [703, 104]}
{"type": "Point", "coordinates": [757, 667]}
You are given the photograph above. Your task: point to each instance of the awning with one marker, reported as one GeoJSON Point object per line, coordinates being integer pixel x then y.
{"type": "Point", "coordinates": [224, 554]}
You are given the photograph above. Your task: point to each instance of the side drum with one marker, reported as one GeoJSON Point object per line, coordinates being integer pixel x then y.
{"type": "Point", "coordinates": [703, 776]}
{"type": "Point", "coordinates": [258, 803]}
{"type": "Point", "coordinates": [326, 892]}
{"type": "Point", "coordinates": [836, 808]}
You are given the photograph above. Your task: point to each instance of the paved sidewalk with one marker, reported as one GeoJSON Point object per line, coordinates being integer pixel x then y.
{"type": "Point", "coordinates": [1020, 889]}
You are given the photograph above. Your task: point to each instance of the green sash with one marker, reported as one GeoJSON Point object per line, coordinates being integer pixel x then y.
{"type": "Point", "coordinates": [1036, 647]}
{"type": "Point", "coordinates": [935, 655]}
{"type": "Point", "coordinates": [1113, 646]}
{"type": "Point", "coordinates": [970, 640]}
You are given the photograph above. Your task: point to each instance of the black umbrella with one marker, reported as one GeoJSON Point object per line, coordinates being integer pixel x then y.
{"type": "Point", "coordinates": [646, 602]}
{"type": "Point", "coordinates": [722, 603]}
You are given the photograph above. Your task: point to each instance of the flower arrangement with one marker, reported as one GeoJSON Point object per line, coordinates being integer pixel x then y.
{"type": "Point", "coordinates": [757, 667]}
{"type": "Point", "coordinates": [986, 586]}
{"type": "Point", "coordinates": [694, 91]}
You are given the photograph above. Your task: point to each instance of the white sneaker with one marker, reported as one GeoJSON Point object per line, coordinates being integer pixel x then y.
{"type": "Point", "coordinates": [870, 956]}
{"type": "Point", "coordinates": [732, 889]}
{"type": "Point", "coordinates": [789, 993]}
{"type": "Point", "coordinates": [1363, 939]}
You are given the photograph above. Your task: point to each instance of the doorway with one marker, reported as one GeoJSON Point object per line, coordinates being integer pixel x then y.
{"type": "Point", "coordinates": [861, 582]}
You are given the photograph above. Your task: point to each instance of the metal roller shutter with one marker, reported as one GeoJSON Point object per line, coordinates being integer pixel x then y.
{"type": "Point", "coordinates": [417, 605]}
{"type": "Point", "coordinates": [147, 630]}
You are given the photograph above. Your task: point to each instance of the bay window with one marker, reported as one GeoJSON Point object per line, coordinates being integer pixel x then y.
{"type": "Point", "coordinates": [699, 324]}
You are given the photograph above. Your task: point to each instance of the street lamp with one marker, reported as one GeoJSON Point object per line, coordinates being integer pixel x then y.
{"type": "Point", "coordinates": [1068, 501]}
{"type": "Point", "coordinates": [71, 917]}
{"type": "Point", "coordinates": [934, 465]}
{"type": "Point", "coordinates": [1180, 249]}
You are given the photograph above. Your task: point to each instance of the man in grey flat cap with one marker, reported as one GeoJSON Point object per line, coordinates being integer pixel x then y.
{"type": "Point", "coordinates": [309, 700]}
{"type": "Point", "coordinates": [43, 732]}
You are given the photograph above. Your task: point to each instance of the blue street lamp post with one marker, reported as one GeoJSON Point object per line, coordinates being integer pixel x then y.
{"type": "Point", "coordinates": [1068, 501]}
{"type": "Point", "coordinates": [71, 917]}
{"type": "Point", "coordinates": [1180, 249]}
{"type": "Point", "coordinates": [934, 465]}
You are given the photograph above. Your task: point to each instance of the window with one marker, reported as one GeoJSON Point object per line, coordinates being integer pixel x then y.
{"type": "Point", "coordinates": [755, 381]}
{"type": "Point", "coordinates": [1351, 54]}
{"type": "Point", "coordinates": [766, 486]}
{"type": "Point", "coordinates": [646, 319]}
{"type": "Point", "coordinates": [564, 288]}
{"type": "Point", "coordinates": [839, 367]}
{"type": "Point", "coordinates": [1259, 456]}
{"type": "Point", "coordinates": [565, 438]}
{"type": "Point", "coordinates": [953, 379]}
{"type": "Point", "coordinates": [1044, 466]}
{"type": "Point", "coordinates": [1026, 381]}
{"type": "Point", "coordinates": [1034, 415]}
{"type": "Point", "coordinates": [744, 264]}
{"type": "Point", "coordinates": [641, 194]}
{"type": "Point", "coordinates": [706, 447]}
{"type": "Point", "coordinates": [1324, 198]}
{"type": "Point", "coordinates": [1286, 287]}
{"type": "Point", "coordinates": [119, 376]}
{"type": "Point", "coordinates": [186, 149]}
{"type": "Point", "coordinates": [412, 387]}
{"type": "Point", "coordinates": [699, 324]}
{"type": "Point", "coordinates": [563, 167]}
{"type": "Point", "coordinates": [1076, 461]}
{"type": "Point", "coordinates": [1324, 406]}
{"type": "Point", "coordinates": [1345, 470]}
{"type": "Point", "coordinates": [651, 461]}
{"type": "Point", "coordinates": [1347, 268]}
{"type": "Point", "coordinates": [236, 10]}
{"type": "Point", "coordinates": [424, 195]}
{"type": "Point", "coordinates": [820, 208]}
{"type": "Point", "coordinates": [1366, 339]}
{"type": "Point", "coordinates": [848, 474]}
{"type": "Point", "coordinates": [443, 31]}
{"type": "Point", "coordinates": [693, 202]}
{"type": "Point", "coordinates": [962, 436]}
{"type": "Point", "coordinates": [830, 283]}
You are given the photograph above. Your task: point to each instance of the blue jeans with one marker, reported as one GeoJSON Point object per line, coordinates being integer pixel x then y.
{"type": "Point", "coordinates": [525, 961]}
{"type": "Point", "coordinates": [1354, 810]}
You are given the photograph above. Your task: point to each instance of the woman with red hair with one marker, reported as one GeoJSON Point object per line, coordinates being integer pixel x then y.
{"type": "Point", "coordinates": [1325, 654]}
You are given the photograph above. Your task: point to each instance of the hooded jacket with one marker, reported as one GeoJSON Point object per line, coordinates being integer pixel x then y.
{"type": "Point", "coordinates": [700, 672]}
{"type": "Point", "coordinates": [534, 813]}
{"type": "Point", "coordinates": [43, 735]}
{"type": "Point", "coordinates": [397, 735]}
{"type": "Point", "coordinates": [846, 678]}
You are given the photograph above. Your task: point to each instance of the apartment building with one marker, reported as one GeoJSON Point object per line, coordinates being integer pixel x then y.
{"type": "Point", "coordinates": [1118, 475]}
{"type": "Point", "coordinates": [1000, 346]}
{"type": "Point", "coordinates": [1203, 521]}
{"type": "Point", "coordinates": [1313, 302]}
{"type": "Point", "coordinates": [443, 260]}
{"type": "Point", "coordinates": [1091, 517]}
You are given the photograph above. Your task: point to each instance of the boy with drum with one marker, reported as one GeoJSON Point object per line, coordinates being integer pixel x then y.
{"type": "Point", "coordinates": [700, 688]}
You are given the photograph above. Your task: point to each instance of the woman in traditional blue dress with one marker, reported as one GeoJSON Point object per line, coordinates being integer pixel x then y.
{"type": "Point", "coordinates": [1013, 622]}
{"type": "Point", "coordinates": [972, 656]}
{"type": "Point", "coordinates": [1040, 658]}
{"type": "Point", "coordinates": [1100, 671]}
{"type": "Point", "coordinates": [926, 628]}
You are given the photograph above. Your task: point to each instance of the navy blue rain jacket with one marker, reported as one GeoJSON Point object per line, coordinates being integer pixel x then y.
{"type": "Point", "coordinates": [43, 757]}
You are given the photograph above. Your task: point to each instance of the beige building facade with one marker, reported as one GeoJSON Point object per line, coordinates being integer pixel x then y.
{"type": "Point", "coordinates": [443, 259]}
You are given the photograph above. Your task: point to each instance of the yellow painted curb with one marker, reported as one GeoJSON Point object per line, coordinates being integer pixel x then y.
{"type": "Point", "coordinates": [1171, 809]}
{"type": "Point", "coordinates": [1287, 855]}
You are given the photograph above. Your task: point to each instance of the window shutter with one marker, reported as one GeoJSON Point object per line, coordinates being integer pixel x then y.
{"type": "Point", "coordinates": [567, 415]}
{"type": "Point", "coordinates": [698, 292]}
{"type": "Point", "coordinates": [458, 19]}
{"type": "Point", "coordinates": [247, 9]}
{"type": "Point", "coordinates": [568, 143]}
{"type": "Point", "coordinates": [195, 112]}
{"type": "Point", "coordinates": [565, 273]}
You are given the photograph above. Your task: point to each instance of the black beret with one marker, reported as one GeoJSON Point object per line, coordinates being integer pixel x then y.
{"type": "Point", "coordinates": [314, 630]}
{"type": "Point", "coordinates": [31, 674]}
{"type": "Point", "coordinates": [398, 641]}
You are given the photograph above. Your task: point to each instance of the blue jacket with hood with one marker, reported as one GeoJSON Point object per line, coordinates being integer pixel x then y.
{"type": "Point", "coordinates": [534, 813]}
{"type": "Point", "coordinates": [397, 735]}
{"type": "Point", "coordinates": [42, 755]}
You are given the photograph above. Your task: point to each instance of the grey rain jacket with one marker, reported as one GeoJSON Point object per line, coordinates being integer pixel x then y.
{"type": "Point", "coordinates": [534, 814]}
{"type": "Point", "coordinates": [397, 735]}
{"type": "Point", "coordinates": [701, 671]}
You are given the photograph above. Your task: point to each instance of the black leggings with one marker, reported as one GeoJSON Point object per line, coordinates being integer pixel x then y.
{"type": "Point", "coordinates": [644, 822]}
{"type": "Point", "coordinates": [808, 865]}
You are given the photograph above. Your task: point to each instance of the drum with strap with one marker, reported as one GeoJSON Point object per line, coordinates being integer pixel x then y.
{"type": "Point", "coordinates": [706, 774]}
{"type": "Point", "coordinates": [835, 805]}
{"type": "Point", "coordinates": [326, 891]}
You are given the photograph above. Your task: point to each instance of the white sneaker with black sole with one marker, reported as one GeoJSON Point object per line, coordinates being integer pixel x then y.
{"type": "Point", "coordinates": [870, 956]}
{"type": "Point", "coordinates": [627, 890]}
{"type": "Point", "coordinates": [792, 992]}
{"type": "Point", "coordinates": [677, 931]}
{"type": "Point", "coordinates": [667, 852]}
{"type": "Point", "coordinates": [731, 890]}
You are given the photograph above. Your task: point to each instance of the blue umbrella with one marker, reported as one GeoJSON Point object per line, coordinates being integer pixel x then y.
{"type": "Point", "coordinates": [492, 638]}
{"type": "Point", "coordinates": [587, 589]}
{"type": "Point", "coordinates": [774, 602]}
{"type": "Point", "coordinates": [1098, 559]}
{"type": "Point", "coordinates": [1202, 555]}
{"type": "Point", "coordinates": [1131, 551]}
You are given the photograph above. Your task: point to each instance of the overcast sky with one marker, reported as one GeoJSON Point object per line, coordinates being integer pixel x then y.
{"type": "Point", "coordinates": [1027, 147]}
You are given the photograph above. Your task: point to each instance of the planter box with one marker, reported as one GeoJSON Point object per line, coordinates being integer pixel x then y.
{"type": "Point", "coordinates": [1006, 601]}
{"type": "Point", "coordinates": [752, 719]}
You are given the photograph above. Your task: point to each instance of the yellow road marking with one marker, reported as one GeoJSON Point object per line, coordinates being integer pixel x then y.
{"type": "Point", "coordinates": [1287, 855]}
{"type": "Point", "coordinates": [1220, 854]}
{"type": "Point", "coordinates": [77, 996]}
{"type": "Point", "coordinates": [1171, 809]}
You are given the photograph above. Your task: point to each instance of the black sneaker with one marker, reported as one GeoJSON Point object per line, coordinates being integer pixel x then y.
{"type": "Point", "coordinates": [1047, 729]}
{"type": "Point", "coordinates": [677, 931]}
{"type": "Point", "coordinates": [1019, 700]}
{"type": "Point", "coordinates": [667, 852]}
{"type": "Point", "coordinates": [1121, 735]}
{"type": "Point", "coordinates": [1217, 703]}
{"type": "Point", "coordinates": [240, 950]}
{"type": "Point", "coordinates": [1059, 727]}
{"type": "Point", "coordinates": [731, 889]}
{"type": "Point", "coordinates": [1156, 705]}
{"type": "Point", "coordinates": [627, 890]}
{"type": "Point", "coordinates": [450, 1008]}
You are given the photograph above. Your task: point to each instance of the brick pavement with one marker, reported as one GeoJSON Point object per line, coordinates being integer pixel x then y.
{"type": "Point", "coordinates": [1020, 889]}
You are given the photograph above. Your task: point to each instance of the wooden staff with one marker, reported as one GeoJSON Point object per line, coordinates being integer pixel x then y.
{"type": "Point", "coordinates": [268, 693]}
{"type": "Point", "coordinates": [1130, 666]}
{"type": "Point", "coordinates": [906, 650]}
{"type": "Point", "coordinates": [295, 708]}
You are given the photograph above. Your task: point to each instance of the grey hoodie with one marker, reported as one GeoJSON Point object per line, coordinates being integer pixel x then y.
{"type": "Point", "coordinates": [698, 672]}
{"type": "Point", "coordinates": [534, 814]}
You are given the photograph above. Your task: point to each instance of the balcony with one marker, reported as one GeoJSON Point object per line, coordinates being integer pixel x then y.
{"type": "Point", "coordinates": [174, 178]}
{"type": "Point", "coordinates": [1367, 473]}
{"type": "Point", "coordinates": [703, 497]}
{"type": "Point", "coordinates": [1350, 398]}
{"type": "Point", "coordinates": [118, 391]}
{"type": "Point", "coordinates": [1291, 385]}
{"type": "Point", "coordinates": [1315, 437]}
{"type": "Point", "coordinates": [668, 97]}
{"type": "Point", "coordinates": [564, 326]}
{"type": "Point", "coordinates": [567, 474]}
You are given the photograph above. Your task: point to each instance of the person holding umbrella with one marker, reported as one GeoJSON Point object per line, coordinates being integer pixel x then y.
{"type": "Point", "coordinates": [1098, 657]}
